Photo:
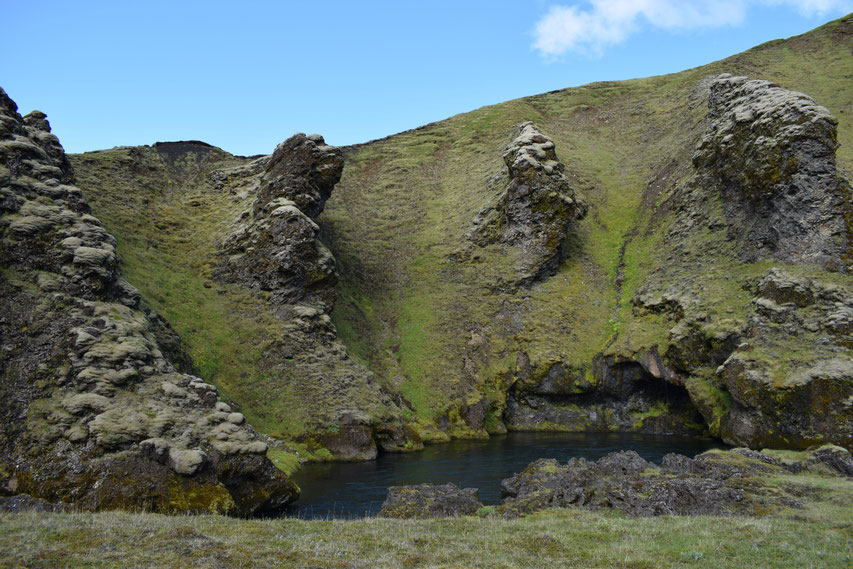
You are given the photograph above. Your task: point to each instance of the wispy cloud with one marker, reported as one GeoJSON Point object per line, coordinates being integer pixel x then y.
{"type": "Point", "coordinates": [591, 26]}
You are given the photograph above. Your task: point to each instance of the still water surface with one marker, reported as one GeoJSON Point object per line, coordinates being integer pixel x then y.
{"type": "Point", "coordinates": [357, 489]}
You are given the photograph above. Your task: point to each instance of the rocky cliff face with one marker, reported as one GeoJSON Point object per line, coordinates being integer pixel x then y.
{"type": "Point", "coordinates": [277, 251]}
{"type": "Point", "coordinates": [770, 152]}
{"type": "Point", "coordinates": [699, 285]}
{"type": "Point", "coordinates": [538, 210]}
{"type": "Point", "coordinates": [94, 411]}
{"type": "Point", "coordinates": [780, 373]}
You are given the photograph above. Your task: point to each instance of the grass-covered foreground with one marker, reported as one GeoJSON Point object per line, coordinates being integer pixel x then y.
{"type": "Point", "coordinates": [820, 535]}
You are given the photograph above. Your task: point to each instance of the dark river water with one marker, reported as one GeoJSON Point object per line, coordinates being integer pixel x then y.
{"type": "Point", "coordinates": [357, 489]}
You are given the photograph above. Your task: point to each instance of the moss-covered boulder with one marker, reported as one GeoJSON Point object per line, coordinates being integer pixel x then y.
{"type": "Point", "coordinates": [426, 501]}
{"type": "Point", "coordinates": [724, 483]}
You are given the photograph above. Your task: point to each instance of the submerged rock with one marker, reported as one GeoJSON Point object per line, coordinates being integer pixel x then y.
{"type": "Point", "coordinates": [93, 411]}
{"type": "Point", "coordinates": [426, 501]}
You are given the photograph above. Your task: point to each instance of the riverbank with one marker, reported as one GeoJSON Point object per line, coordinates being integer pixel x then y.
{"type": "Point", "coordinates": [820, 535]}
{"type": "Point", "coordinates": [353, 489]}
{"type": "Point", "coordinates": [801, 516]}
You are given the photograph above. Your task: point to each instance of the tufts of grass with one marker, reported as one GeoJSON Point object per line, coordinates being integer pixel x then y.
{"type": "Point", "coordinates": [569, 538]}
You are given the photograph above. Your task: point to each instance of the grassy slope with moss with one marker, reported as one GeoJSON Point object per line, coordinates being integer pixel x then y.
{"type": "Point", "coordinates": [440, 331]}
{"type": "Point", "coordinates": [399, 213]}
{"type": "Point", "coordinates": [168, 217]}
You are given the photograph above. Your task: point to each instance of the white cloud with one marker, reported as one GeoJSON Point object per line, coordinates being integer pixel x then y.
{"type": "Point", "coordinates": [602, 23]}
{"type": "Point", "coordinates": [816, 7]}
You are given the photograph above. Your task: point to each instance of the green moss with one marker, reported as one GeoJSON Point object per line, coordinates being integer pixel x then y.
{"type": "Point", "coordinates": [287, 462]}
{"type": "Point", "coordinates": [207, 498]}
{"type": "Point", "coordinates": [713, 402]}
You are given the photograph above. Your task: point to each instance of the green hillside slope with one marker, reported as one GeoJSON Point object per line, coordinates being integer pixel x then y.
{"type": "Point", "coordinates": [455, 345]}
{"type": "Point", "coordinates": [434, 327]}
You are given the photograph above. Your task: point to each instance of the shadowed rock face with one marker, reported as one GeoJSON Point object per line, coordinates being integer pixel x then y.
{"type": "Point", "coordinates": [538, 210]}
{"type": "Point", "coordinates": [771, 154]}
{"type": "Point", "coordinates": [279, 251]}
{"type": "Point", "coordinates": [93, 410]}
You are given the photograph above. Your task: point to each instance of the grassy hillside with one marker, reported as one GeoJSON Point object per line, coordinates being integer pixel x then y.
{"type": "Point", "coordinates": [433, 316]}
{"type": "Point", "coordinates": [440, 329]}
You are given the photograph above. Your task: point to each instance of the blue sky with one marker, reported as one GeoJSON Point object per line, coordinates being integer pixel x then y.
{"type": "Point", "coordinates": [246, 75]}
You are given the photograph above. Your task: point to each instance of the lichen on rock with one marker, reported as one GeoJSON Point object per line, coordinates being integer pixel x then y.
{"type": "Point", "coordinates": [771, 154]}
{"type": "Point", "coordinates": [94, 413]}
{"type": "Point", "coordinates": [538, 209]}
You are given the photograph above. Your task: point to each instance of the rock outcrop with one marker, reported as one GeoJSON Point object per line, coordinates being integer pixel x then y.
{"type": "Point", "coordinates": [771, 154]}
{"type": "Point", "coordinates": [427, 501]}
{"type": "Point", "coordinates": [808, 399]}
{"type": "Point", "coordinates": [276, 250]}
{"type": "Point", "coordinates": [538, 210]}
{"type": "Point", "coordinates": [778, 372]}
{"type": "Point", "coordinates": [279, 251]}
{"type": "Point", "coordinates": [93, 410]}
{"type": "Point", "coordinates": [720, 483]}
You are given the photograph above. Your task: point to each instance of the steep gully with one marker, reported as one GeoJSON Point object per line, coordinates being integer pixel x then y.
{"type": "Point", "coordinates": [196, 454]}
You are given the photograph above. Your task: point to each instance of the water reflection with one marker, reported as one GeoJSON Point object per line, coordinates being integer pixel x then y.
{"type": "Point", "coordinates": [358, 489]}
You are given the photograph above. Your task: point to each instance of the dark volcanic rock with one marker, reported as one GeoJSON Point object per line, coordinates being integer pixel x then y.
{"type": "Point", "coordinates": [622, 481]}
{"type": "Point", "coordinates": [538, 210]}
{"type": "Point", "coordinates": [303, 169]}
{"type": "Point", "coordinates": [771, 153]}
{"type": "Point", "coordinates": [276, 250]}
{"type": "Point", "coordinates": [714, 483]}
{"type": "Point", "coordinates": [426, 501]}
{"type": "Point", "coordinates": [93, 411]}
{"type": "Point", "coordinates": [279, 251]}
